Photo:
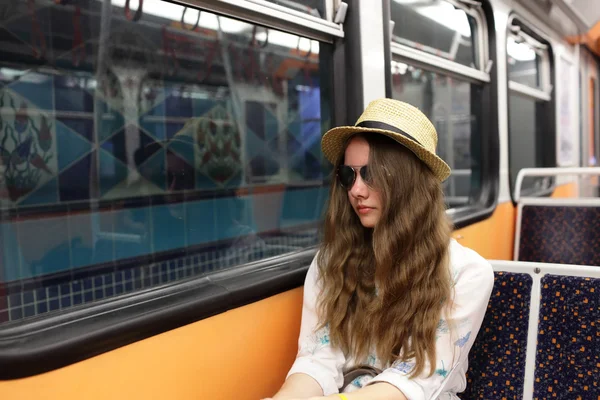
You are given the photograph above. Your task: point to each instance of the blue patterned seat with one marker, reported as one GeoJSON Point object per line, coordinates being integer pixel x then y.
{"type": "Point", "coordinates": [497, 359]}
{"type": "Point", "coordinates": [568, 356]}
{"type": "Point", "coordinates": [560, 234]}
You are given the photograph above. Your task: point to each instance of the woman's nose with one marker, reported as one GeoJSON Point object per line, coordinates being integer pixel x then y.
{"type": "Point", "coordinates": [359, 188]}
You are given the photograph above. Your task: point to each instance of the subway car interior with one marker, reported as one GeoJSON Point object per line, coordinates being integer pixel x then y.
{"type": "Point", "coordinates": [162, 184]}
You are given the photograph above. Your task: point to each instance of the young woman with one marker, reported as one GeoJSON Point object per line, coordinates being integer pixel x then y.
{"type": "Point", "coordinates": [392, 304]}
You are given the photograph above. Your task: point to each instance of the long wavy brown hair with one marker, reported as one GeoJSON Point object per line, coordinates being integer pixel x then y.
{"type": "Point", "coordinates": [386, 288]}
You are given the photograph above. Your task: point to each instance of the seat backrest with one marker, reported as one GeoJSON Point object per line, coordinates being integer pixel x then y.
{"type": "Point", "coordinates": [558, 232]}
{"type": "Point", "coordinates": [540, 335]}
{"type": "Point", "coordinates": [497, 359]}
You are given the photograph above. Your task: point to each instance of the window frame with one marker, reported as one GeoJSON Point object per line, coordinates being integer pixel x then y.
{"type": "Point", "coordinates": [538, 39]}
{"type": "Point", "coordinates": [483, 205]}
{"type": "Point", "coordinates": [54, 340]}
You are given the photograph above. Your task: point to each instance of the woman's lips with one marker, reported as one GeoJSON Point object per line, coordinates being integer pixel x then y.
{"type": "Point", "coordinates": [363, 209]}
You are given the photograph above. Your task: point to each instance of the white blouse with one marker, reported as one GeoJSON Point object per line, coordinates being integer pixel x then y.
{"type": "Point", "coordinates": [473, 283]}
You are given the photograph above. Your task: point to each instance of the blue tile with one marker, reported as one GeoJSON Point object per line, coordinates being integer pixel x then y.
{"type": "Point", "coordinates": [71, 146]}
{"type": "Point", "coordinates": [15, 300]}
{"type": "Point", "coordinates": [98, 282]}
{"type": "Point", "coordinates": [119, 289]}
{"type": "Point", "coordinates": [155, 269]}
{"type": "Point", "coordinates": [42, 308]}
{"type": "Point", "coordinates": [108, 279]}
{"type": "Point", "coordinates": [65, 302]}
{"type": "Point", "coordinates": [88, 297]}
{"type": "Point", "coordinates": [163, 268]}
{"type": "Point", "coordinates": [87, 284]}
{"type": "Point", "coordinates": [30, 311]}
{"type": "Point", "coordinates": [155, 128]}
{"type": "Point", "coordinates": [82, 251]}
{"type": "Point", "coordinates": [172, 265]}
{"type": "Point", "coordinates": [154, 169]}
{"type": "Point", "coordinates": [32, 233]}
{"type": "Point", "coordinates": [203, 229]}
{"type": "Point", "coordinates": [137, 273]}
{"type": "Point", "coordinates": [53, 291]}
{"type": "Point", "coordinates": [11, 260]}
{"type": "Point", "coordinates": [28, 297]}
{"type": "Point", "coordinates": [99, 294]}
{"type": "Point", "coordinates": [128, 275]}
{"type": "Point", "coordinates": [83, 127]}
{"type": "Point", "coordinates": [16, 314]}
{"type": "Point", "coordinates": [164, 278]}
{"type": "Point", "coordinates": [128, 287]}
{"type": "Point", "coordinates": [45, 194]}
{"type": "Point", "coordinates": [108, 120]}
{"type": "Point", "coordinates": [230, 220]}
{"type": "Point", "coordinates": [69, 95]}
{"type": "Point", "coordinates": [180, 274]}
{"type": "Point", "coordinates": [119, 276]}
{"type": "Point", "coordinates": [137, 284]}
{"type": "Point", "coordinates": [112, 171]}
{"type": "Point", "coordinates": [133, 222]}
{"type": "Point", "coordinates": [180, 263]}
{"type": "Point", "coordinates": [155, 280]}
{"type": "Point", "coordinates": [172, 129]}
{"type": "Point", "coordinates": [177, 106]}
{"type": "Point", "coordinates": [54, 305]}
{"type": "Point", "coordinates": [77, 299]}
{"type": "Point", "coordinates": [172, 276]}
{"type": "Point", "coordinates": [37, 90]}
{"type": "Point", "coordinates": [77, 288]}
{"type": "Point", "coordinates": [65, 289]}
{"type": "Point", "coordinates": [74, 182]}
{"type": "Point", "coordinates": [109, 292]}
{"type": "Point", "coordinates": [41, 294]}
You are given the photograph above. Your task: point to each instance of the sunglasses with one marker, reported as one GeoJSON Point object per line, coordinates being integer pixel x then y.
{"type": "Point", "coordinates": [347, 175]}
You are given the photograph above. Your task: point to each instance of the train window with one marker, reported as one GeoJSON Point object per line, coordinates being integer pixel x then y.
{"type": "Point", "coordinates": [530, 109]}
{"type": "Point", "coordinates": [449, 86]}
{"type": "Point", "coordinates": [443, 28]}
{"type": "Point", "coordinates": [140, 152]}
{"type": "Point", "coordinates": [315, 8]}
{"type": "Point", "coordinates": [448, 102]}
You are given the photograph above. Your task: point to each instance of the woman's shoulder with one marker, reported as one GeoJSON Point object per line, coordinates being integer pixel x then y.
{"type": "Point", "coordinates": [464, 260]}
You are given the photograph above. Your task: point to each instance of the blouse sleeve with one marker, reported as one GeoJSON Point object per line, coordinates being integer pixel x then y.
{"type": "Point", "coordinates": [316, 357]}
{"type": "Point", "coordinates": [473, 286]}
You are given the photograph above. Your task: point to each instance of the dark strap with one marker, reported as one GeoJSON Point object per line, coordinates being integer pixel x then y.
{"type": "Point", "coordinates": [359, 370]}
{"type": "Point", "coordinates": [386, 127]}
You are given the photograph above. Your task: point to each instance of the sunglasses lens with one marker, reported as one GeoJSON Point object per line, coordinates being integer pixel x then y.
{"type": "Point", "coordinates": [346, 176]}
{"type": "Point", "coordinates": [365, 175]}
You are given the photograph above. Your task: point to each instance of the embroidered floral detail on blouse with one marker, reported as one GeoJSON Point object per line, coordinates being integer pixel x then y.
{"type": "Point", "coordinates": [361, 381]}
{"type": "Point", "coordinates": [317, 341]}
{"type": "Point", "coordinates": [442, 371]}
{"type": "Point", "coordinates": [442, 326]}
{"type": "Point", "coordinates": [372, 360]}
{"type": "Point", "coordinates": [403, 366]}
{"type": "Point", "coordinates": [463, 340]}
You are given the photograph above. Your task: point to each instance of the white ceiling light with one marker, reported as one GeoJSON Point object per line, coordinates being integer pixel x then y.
{"type": "Point", "coordinates": [519, 51]}
{"type": "Point", "coordinates": [445, 14]}
{"type": "Point", "coordinates": [173, 12]}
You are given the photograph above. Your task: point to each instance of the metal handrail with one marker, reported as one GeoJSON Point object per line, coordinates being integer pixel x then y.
{"type": "Point", "coordinates": [551, 172]}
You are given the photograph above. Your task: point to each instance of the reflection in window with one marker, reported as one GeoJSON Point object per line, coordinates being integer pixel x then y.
{"type": "Point", "coordinates": [526, 121]}
{"type": "Point", "coordinates": [315, 8]}
{"type": "Point", "coordinates": [524, 63]}
{"type": "Point", "coordinates": [530, 111]}
{"type": "Point", "coordinates": [453, 107]}
{"type": "Point", "coordinates": [438, 28]}
{"type": "Point", "coordinates": [171, 151]}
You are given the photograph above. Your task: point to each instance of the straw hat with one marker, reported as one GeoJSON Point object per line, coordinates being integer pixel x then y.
{"type": "Point", "coordinates": [400, 121]}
